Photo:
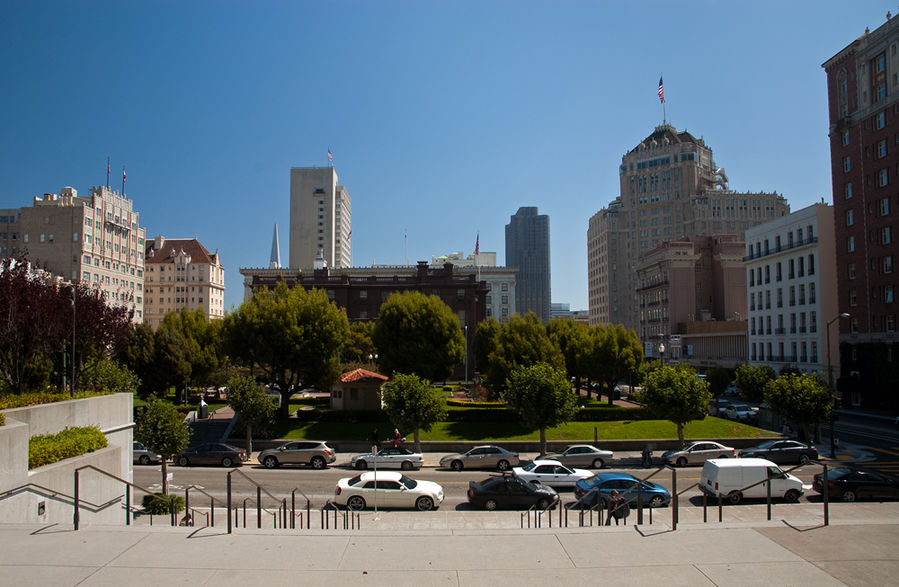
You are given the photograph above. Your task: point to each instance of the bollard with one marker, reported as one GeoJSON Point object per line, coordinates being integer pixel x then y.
{"type": "Point", "coordinates": [258, 507]}
{"type": "Point", "coordinates": [825, 492]}
{"type": "Point", "coordinates": [705, 510]}
{"type": "Point", "coordinates": [187, 501]}
{"type": "Point", "coordinates": [127, 505]}
{"type": "Point", "coordinates": [768, 488]}
{"type": "Point", "coordinates": [228, 488]}
{"type": "Point", "coordinates": [640, 503]}
{"type": "Point", "coordinates": [674, 496]}
{"type": "Point", "coordinates": [75, 516]}
{"type": "Point", "coordinates": [212, 512]}
{"type": "Point", "coordinates": [719, 508]}
{"type": "Point", "coordinates": [293, 510]}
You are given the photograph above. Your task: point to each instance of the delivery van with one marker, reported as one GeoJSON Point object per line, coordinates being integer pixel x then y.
{"type": "Point", "coordinates": [731, 477]}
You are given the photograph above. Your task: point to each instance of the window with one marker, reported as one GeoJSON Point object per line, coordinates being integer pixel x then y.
{"type": "Point", "coordinates": [363, 294]}
{"type": "Point", "coordinates": [847, 191]}
{"type": "Point", "coordinates": [811, 264]}
{"type": "Point", "coordinates": [779, 271]}
{"type": "Point", "coordinates": [505, 287]}
{"type": "Point", "coordinates": [811, 293]}
{"type": "Point", "coordinates": [852, 297]}
{"type": "Point", "coordinates": [850, 244]}
{"type": "Point", "coordinates": [845, 138]}
{"type": "Point", "coordinates": [850, 270]}
{"type": "Point", "coordinates": [884, 206]}
{"type": "Point", "coordinates": [886, 235]}
{"type": "Point", "coordinates": [850, 218]}
{"type": "Point", "coordinates": [888, 264]}
{"type": "Point", "coordinates": [888, 294]}
{"type": "Point", "coordinates": [882, 178]}
{"type": "Point", "coordinates": [880, 120]}
{"type": "Point", "coordinates": [847, 163]}
{"type": "Point", "coordinates": [882, 149]}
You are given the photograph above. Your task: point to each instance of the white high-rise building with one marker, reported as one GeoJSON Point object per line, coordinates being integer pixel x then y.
{"type": "Point", "coordinates": [319, 218]}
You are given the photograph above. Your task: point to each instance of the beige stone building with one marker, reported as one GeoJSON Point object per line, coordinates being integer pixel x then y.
{"type": "Point", "coordinates": [319, 218]}
{"type": "Point", "coordinates": [96, 240]}
{"type": "Point", "coordinates": [181, 273]}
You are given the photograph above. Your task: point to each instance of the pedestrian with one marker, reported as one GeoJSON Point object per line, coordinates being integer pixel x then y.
{"type": "Point", "coordinates": [647, 456]}
{"type": "Point", "coordinates": [375, 442]}
{"type": "Point", "coordinates": [618, 509]}
{"type": "Point", "coordinates": [397, 439]}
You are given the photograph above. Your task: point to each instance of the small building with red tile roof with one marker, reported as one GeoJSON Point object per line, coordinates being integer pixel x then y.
{"type": "Point", "coordinates": [358, 390]}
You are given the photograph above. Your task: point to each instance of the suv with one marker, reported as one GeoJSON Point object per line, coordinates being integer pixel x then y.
{"type": "Point", "coordinates": [304, 452]}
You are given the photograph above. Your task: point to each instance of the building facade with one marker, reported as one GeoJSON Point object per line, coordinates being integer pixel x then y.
{"type": "Point", "coordinates": [95, 240]}
{"type": "Point", "coordinates": [863, 106]}
{"type": "Point", "coordinates": [527, 249]}
{"type": "Point", "coordinates": [670, 188]}
{"type": "Point", "coordinates": [790, 271]}
{"type": "Point", "coordinates": [500, 281]}
{"type": "Point", "coordinates": [181, 273]}
{"type": "Point", "coordinates": [320, 218]}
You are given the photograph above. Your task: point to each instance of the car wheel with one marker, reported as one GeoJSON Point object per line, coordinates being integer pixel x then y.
{"type": "Point", "coordinates": [804, 459]}
{"type": "Point", "coordinates": [270, 462]}
{"type": "Point", "coordinates": [424, 503]}
{"type": "Point", "coordinates": [227, 462]}
{"type": "Point", "coordinates": [355, 503]}
{"type": "Point", "coordinates": [318, 463]}
{"type": "Point", "coordinates": [849, 495]}
{"type": "Point", "coordinates": [597, 463]}
{"type": "Point", "coordinates": [456, 465]}
{"type": "Point", "coordinates": [542, 503]}
{"type": "Point", "coordinates": [490, 505]}
{"type": "Point", "coordinates": [503, 465]}
{"type": "Point", "coordinates": [183, 461]}
{"type": "Point", "coordinates": [406, 466]}
{"type": "Point", "coordinates": [144, 460]}
{"type": "Point", "coordinates": [735, 497]}
{"type": "Point", "coordinates": [791, 496]}
{"type": "Point", "coordinates": [361, 465]}
{"type": "Point", "coordinates": [682, 462]}
{"type": "Point", "coordinates": [656, 501]}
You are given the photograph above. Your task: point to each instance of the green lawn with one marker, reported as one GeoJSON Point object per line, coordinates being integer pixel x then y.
{"type": "Point", "coordinates": [500, 431]}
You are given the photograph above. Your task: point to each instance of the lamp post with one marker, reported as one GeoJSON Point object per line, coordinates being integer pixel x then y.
{"type": "Point", "coordinates": [466, 353]}
{"type": "Point", "coordinates": [662, 353]}
{"type": "Point", "coordinates": [833, 445]}
{"type": "Point", "coordinates": [372, 359]}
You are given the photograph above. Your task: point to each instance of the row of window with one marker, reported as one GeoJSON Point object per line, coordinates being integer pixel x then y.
{"type": "Point", "coordinates": [764, 245]}
{"type": "Point", "coordinates": [883, 236]}
{"type": "Point", "coordinates": [764, 324]}
{"type": "Point", "coordinates": [757, 352]}
{"type": "Point", "coordinates": [812, 298]}
{"type": "Point", "coordinates": [796, 267]}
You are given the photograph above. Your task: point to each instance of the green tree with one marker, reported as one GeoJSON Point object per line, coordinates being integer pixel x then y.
{"type": "Point", "coordinates": [677, 395]}
{"type": "Point", "coordinates": [576, 344]}
{"type": "Point", "coordinates": [521, 342]}
{"type": "Point", "coordinates": [753, 379]}
{"type": "Point", "coordinates": [248, 398]}
{"type": "Point", "coordinates": [171, 364]}
{"type": "Point", "coordinates": [541, 395]}
{"type": "Point", "coordinates": [203, 342]}
{"type": "Point", "coordinates": [139, 355]}
{"type": "Point", "coordinates": [162, 429]}
{"type": "Point", "coordinates": [110, 375]}
{"type": "Point", "coordinates": [719, 378]}
{"type": "Point", "coordinates": [418, 334]}
{"type": "Point", "coordinates": [617, 353]}
{"type": "Point", "coordinates": [294, 336]}
{"type": "Point", "coordinates": [800, 399]}
{"type": "Point", "coordinates": [412, 404]}
{"type": "Point", "coordinates": [484, 342]}
{"type": "Point", "coordinates": [359, 343]}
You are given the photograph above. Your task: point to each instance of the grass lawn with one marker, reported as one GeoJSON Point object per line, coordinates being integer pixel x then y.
{"type": "Point", "coordinates": [499, 431]}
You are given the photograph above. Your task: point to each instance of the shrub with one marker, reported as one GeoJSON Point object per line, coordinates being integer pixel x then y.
{"type": "Point", "coordinates": [466, 404]}
{"type": "Point", "coordinates": [45, 449]}
{"type": "Point", "coordinates": [2, 419]}
{"type": "Point", "coordinates": [158, 504]}
{"type": "Point", "coordinates": [34, 398]}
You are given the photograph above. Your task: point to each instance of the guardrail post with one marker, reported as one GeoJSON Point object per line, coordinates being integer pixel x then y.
{"type": "Point", "coordinates": [187, 501]}
{"type": "Point", "coordinates": [76, 515]}
{"type": "Point", "coordinates": [640, 503]}
{"type": "Point", "coordinates": [258, 507]}
{"type": "Point", "coordinates": [705, 509]}
{"type": "Point", "coordinates": [212, 511]}
{"type": "Point", "coordinates": [825, 492]}
{"type": "Point", "coordinates": [720, 512]}
{"type": "Point", "coordinates": [768, 488]}
{"type": "Point", "coordinates": [308, 514]}
{"type": "Point", "coordinates": [293, 510]}
{"type": "Point", "coordinates": [674, 494]}
{"type": "Point", "coordinates": [127, 505]}
{"type": "Point", "coordinates": [229, 502]}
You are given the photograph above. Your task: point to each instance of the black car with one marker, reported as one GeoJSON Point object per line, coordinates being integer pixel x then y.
{"type": "Point", "coordinates": [852, 484]}
{"type": "Point", "coordinates": [213, 453]}
{"type": "Point", "coordinates": [508, 491]}
{"type": "Point", "coordinates": [783, 452]}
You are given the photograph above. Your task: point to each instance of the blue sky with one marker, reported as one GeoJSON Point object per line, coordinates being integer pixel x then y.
{"type": "Point", "coordinates": [443, 117]}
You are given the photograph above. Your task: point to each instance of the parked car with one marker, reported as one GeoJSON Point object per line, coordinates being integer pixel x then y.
{"type": "Point", "coordinates": [740, 413]}
{"type": "Point", "coordinates": [783, 452]}
{"type": "Point", "coordinates": [696, 453]}
{"type": "Point", "coordinates": [736, 479]}
{"type": "Point", "coordinates": [583, 455]}
{"type": "Point", "coordinates": [552, 473]}
{"type": "Point", "coordinates": [629, 487]}
{"type": "Point", "coordinates": [482, 457]}
{"type": "Point", "coordinates": [213, 453]}
{"type": "Point", "coordinates": [509, 491]}
{"type": "Point", "coordinates": [394, 490]}
{"type": "Point", "coordinates": [391, 457]}
{"type": "Point", "coordinates": [719, 406]}
{"type": "Point", "coordinates": [143, 455]}
{"type": "Point", "coordinates": [853, 484]}
{"type": "Point", "coordinates": [314, 453]}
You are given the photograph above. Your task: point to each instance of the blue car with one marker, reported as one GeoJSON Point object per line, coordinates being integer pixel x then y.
{"type": "Point", "coordinates": [654, 495]}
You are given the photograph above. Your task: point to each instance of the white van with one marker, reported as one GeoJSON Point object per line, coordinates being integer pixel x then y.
{"type": "Point", "coordinates": [729, 477]}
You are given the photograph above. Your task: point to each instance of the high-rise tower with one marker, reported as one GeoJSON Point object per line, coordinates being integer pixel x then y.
{"type": "Point", "coordinates": [527, 249]}
{"type": "Point", "coordinates": [319, 218]}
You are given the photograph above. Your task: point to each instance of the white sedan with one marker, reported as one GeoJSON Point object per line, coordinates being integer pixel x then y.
{"type": "Point", "coordinates": [392, 457]}
{"type": "Point", "coordinates": [552, 473]}
{"type": "Point", "coordinates": [394, 490]}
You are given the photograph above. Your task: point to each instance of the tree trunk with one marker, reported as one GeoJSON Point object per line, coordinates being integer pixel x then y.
{"type": "Point", "coordinates": [542, 441]}
{"type": "Point", "coordinates": [165, 477]}
{"type": "Point", "coordinates": [417, 440]}
{"type": "Point", "coordinates": [680, 432]}
{"type": "Point", "coordinates": [284, 408]}
{"type": "Point", "coordinates": [249, 440]}
{"type": "Point", "coordinates": [611, 390]}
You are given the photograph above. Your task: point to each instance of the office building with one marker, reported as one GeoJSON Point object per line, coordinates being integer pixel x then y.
{"type": "Point", "coordinates": [500, 281]}
{"type": "Point", "coordinates": [181, 273]}
{"type": "Point", "coordinates": [863, 106]}
{"type": "Point", "coordinates": [95, 240]}
{"type": "Point", "coordinates": [319, 218]}
{"type": "Point", "coordinates": [527, 249]}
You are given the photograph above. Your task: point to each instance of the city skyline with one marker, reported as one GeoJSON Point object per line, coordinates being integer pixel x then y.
{"type": "Point", "coordinates": [441, 125]}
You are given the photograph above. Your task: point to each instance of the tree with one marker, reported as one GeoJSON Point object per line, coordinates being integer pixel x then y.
{"type": "Point", "coordinates": [752, 380]}
{"type": "Point", "coordinates": [677, 395]}
{"type": "Point", "coordinates": [541, 395]}
{"type": "Point", "coordinates": [162, 429]}
{"type": "Point", "coordinates": [617, 353]}
{"type": "Point", "coordinates": [575, 342]}
{"type": "Point", "coordinates": [294, 336]}
{"type": "Point", "coordinates": [418, 334]}
{"type": "Point", "coordinates": [171, 365]}
{"type": "Point", "coordinates": [203, 342]}
{"type": "Point", "coordinates": [139, 355]}
{"type": "Point", "coordinates": [719, 378]}
{"type": "Point", "coordinates": [358, 344]}
{"type": "Point", "coordinates": [800, 399]}
{"type": "Point", "coordinates": [484, 342]}
{"type": "Point", "coordinates": [521, 342]}
{"type": "Point", "coordinates": [412, 404]}
{"type": "Point", "coordinates": [110, 375]}
{"type": "Point", "coordinates": [248, 398]}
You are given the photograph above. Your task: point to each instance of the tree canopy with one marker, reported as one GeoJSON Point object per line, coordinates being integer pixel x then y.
{"type": "Point", "coordinates": [800, 399]}
{"type": "Point", "coordinates": [617, 353]}
{"type": "Point", "coordinates": [542, 396]}
{"type": "Point", "coordinates": [293, 336]}
{"type": "Point", "coordinates": [412, 404]}
{"type": "Point", "coordinates": [752, 380]}
{"type": "Point", "coordinates": [418, 334]}
{"type": "Point", "coordinates": [521, 342]}
{"type": "Point", "coordinates": [162, 429]}
{"type": "Point", "coordinates": [253, 406]}
{"type": "Point", "coordinates": [677, 395]}
{"type": "Point", "coordinates": [202, 342]}
{"type": "Point", "coordinates": [575, 341]}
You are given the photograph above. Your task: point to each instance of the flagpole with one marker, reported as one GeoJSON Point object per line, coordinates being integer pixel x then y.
{"type": "Point", "coordinates": [107, 174]}
{"type": "Point", "coordinates": [123, 181]}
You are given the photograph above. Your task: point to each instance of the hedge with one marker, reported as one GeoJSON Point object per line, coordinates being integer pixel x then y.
{"type": "Point", "coordinates": [2, 419]}
{"type": "Point", "coordinates": [45, 449]}
{"type": "Point", "coordinates": [35, 398]}
{"type": "Point", "coordinates": [158, 504]}
{"type": "Point", "coordinates": [457, 403]}
{"type": "Point", "coordinates": [478, 414]}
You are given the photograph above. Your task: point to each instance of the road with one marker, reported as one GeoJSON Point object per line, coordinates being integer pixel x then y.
{"type": "Point", "coordinates": [876, 434]}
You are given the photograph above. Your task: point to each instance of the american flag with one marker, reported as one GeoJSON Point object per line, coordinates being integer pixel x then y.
{"type": "Point", "coordinates": [477, 245]}
{"type": "Point", "coordinates": [330, 156]}
{"type": "Point", "coordinates": [661, 91]}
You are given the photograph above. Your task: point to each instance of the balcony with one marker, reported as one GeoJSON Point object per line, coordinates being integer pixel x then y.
{"type": "Point", "coordinates": [779, 331]}
{"type": "Point", "coordinates": [787, 247]}
{"type": "Point", "coordinates": [802, 330]}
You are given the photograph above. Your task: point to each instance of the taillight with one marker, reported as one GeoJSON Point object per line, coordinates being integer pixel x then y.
{"type": "Point", "coordinates": [716, 486]}
{"type": "Point", "coordinates": [328, 451]}
{"type": "Point", "coordinates": [831, 484]}
{"type": "Point", "coordinates": [338, 490]}
{"type": "Point", "coordinates": [471, 493]}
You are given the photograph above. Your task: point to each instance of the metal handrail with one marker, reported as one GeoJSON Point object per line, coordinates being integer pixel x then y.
{"type": "Point", "coordinates": [538, 513]}
{"type": "Point", "coordinates": [77, 500]}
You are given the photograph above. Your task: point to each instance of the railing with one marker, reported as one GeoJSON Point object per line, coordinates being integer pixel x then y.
{"type": "Point", "coordinates": [76, 517]}
{"type": "Point", "coordinates": [538, 513]}
{"type": "Point", "coordinates": [351, 520]}
{"type": "Point", "coordinates": [278, 517]}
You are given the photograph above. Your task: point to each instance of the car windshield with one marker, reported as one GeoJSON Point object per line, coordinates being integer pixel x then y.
{"type": "Point", "coordinates": [354, 480]}
{"type": "Point", "coordinates": [530, 466]}
{"type": "Point", "coordinates": [592, 481]}
{"type": "Point", "coordinates": [742, 407]}
{"type": "Point", "coordinates": [409, 483]}
{"type": "Point", "coordinates": [768, 444]}
{"type": "Point", "coordinates": [838, 473]}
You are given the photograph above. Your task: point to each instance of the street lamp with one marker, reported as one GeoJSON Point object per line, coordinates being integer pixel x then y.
{"type": "Point", "coordinates": [662, 352]}
{"type": "Point", "coordinates": [372, 358]}
{"type": "Point", "coordinates": [466, 353]}
{"type": "Point", "coordinates": [833, 446]}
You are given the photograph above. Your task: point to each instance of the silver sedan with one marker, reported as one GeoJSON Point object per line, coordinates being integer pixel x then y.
{"type": "Point", "coordinates": [390, 458]}
{"type": "Point", "coordinates": [583, 455]}
{"type": "Point", "coordinates": [482, 457]}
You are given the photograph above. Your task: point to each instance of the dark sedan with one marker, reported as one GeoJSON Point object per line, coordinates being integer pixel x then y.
{"type": "Point", "coordinates": [508, 491]}
{"type": "Point", "coordinates": [653, 494]}
{"type": "Point", "coordinates": [852, 484]}
{"type": "Point", "coordinates": [213, 453]}
{"type": "Point", "coordinates": [783, 452]}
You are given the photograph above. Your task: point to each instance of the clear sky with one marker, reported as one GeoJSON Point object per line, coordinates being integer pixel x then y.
{"type": "Point", "coordinates": [444, 117]}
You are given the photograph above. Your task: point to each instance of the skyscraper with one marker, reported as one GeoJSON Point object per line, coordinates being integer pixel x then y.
{"type": "Point", "coordinates": [863, 104]}
{"type": "Point", "coordinates": [527, 249]}
{"type": "Point", "coordinates": [319, 218]}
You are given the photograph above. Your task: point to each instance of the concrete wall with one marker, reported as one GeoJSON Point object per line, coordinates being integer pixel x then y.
{"type": "Point", "coordinates": [113, 415]}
